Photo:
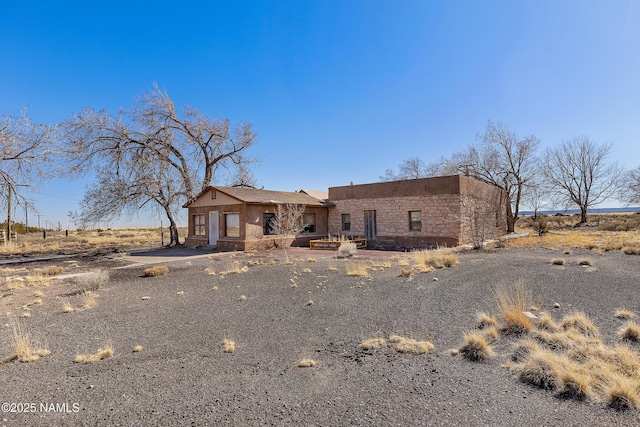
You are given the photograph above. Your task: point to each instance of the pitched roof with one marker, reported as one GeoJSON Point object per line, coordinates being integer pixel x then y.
{"type": "Point", "coordinates": [318, 194]}
{"type": "Point", "coordinates": [253, 195]}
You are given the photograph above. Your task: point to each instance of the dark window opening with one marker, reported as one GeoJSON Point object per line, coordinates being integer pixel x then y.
{"type": "Point", "coordinates": [267, 223]}
{"type": "Point", "coordinates": [346, 222]}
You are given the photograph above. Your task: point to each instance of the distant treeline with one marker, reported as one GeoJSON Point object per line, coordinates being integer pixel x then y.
{"type": "Point", "coordinates": [19, 228]}
{"type": "Point", "coordinates": [594, 210]}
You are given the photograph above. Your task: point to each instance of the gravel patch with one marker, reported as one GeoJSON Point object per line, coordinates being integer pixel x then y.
{"type": "Point", "coordinates": [183, 376]}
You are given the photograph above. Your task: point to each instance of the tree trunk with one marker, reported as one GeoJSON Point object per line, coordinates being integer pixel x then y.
{"type": "Point", "coordinates": [511, 222]}
{"type": "Point", "coordinates": [173, 228]}
{"type": "Point", "coordinates": [583, 214]}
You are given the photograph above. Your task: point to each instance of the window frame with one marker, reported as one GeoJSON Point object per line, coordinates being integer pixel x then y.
{"type": "Point", "coordinates": [267, 223]}
{"type": "Point", "coordinates": [199, 225]}
{"type": "Point", "coordinates": [415, 224]}
{"type": "Point", "coordinates": [227, 215]}
{"type": "Point", "coordinates": [345, 225]}
{"type": "Point", "coordinates": [309, 227]}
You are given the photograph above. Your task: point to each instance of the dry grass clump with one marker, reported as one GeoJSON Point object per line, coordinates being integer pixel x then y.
{"type": "Point", "coordinates": [406, 273]}
{"type": "Point", "coordinates": [102, 353]}
{"type": "Point", "coordinates": [25, 347]}
{"type": "Point", "coordinates": [580, 323]}
{"type": "Point", "coordinates": [491, 334]}
{"type": "Point", "coordinates": [67, 307]}
{"type": "Point", "coordinates": [88, 299]}
{"type": "Point", "coordinates": [438, 258]}
{"type": "Point", "coordinates": [631, 250]}
{"type": "Point", "coordinates": [624, 314]}
{"type": "Point", "coordinates": [630, 332]}
{"type": "Point", "coordinates": [523, 348]}
{"type": "Point", "coordinates": [585, 261]}
{"type": "Point", "coordinates": [513, 302]}
{"type": "Point", "coordinates": [557, 261]}
{"type": "Point", "coordinates": [373, 343]}
{"type": "Point", "coordinates": [310, 259]}
{"type": "Point", "coordinates": [484, 320]}
{"type": "Point", "coordinates": [475, 347]}
{"type": "Point", "coordinates": [211, 271]}
{"type": "Point", "coordinates": [156, 270]}
{"type": "Point", "coordinates": [546, 323]}
{"type": "Point", "coordinates": [137, 348]}
{"type": "Point", "coordinates": [573, 362]}
{"type": "Point", "coordinates": [228, 346]}
{"type": "Point", "coordinates": [307, 363]}
{"type": "Point", "coordinates": [410, 345]}
{"type": "Point", "coordinates": [621, 393]}
{"type": "Point", "coordinates": [37, 278]}
{"type": "Point", "coordinates": [52, 271]}
{"type": "Point", "coordinates": [543, 368]}
{"type": "Point", "coordinates": [92, 281]}
{"type": "Point", "coordinates": [357, 269]}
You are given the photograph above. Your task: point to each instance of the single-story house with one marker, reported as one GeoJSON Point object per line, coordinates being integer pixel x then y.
{"type": "Point", "coordinates": [417, 213]}
{"type": "Point", "coordinates": [234, 218]}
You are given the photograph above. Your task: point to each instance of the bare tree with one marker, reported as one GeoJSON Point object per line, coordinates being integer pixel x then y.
{"type": "Point", "coordinates": [478, 220]}
{"type": "Point", "coordinates": [150, 153]}
{"type": "Point", "coordinates": [535, 197]}
{"type": "Point", "coordinates": [414, 168]}
{"type": "Point", "coordinates": [630, 188]}
{"type": "Point", "coordinates": [577, 173]}
{"type": "Point", "coordinates": [26, 157]}
{"type": "Point", "coordinates": [288, 223]}
{"type": "Point", "coordinates": [501, 158]}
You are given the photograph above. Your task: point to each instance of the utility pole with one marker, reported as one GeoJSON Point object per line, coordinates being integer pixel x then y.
{"type": "Point", "coordinates": [39, 215]}
{"type": "Point", "coordinates": [26, 217]}
{"type": "Point", "coordinates": [8, 239]}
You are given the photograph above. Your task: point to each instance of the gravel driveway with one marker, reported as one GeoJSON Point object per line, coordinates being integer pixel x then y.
{"type": "Point", "coordinates": [278, 314]}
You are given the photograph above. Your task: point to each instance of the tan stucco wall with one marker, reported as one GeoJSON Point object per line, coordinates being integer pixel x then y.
{"type": "Point", "coordinates": [221, 199]}
{"type": "Point", "coordinates": [251, 224]}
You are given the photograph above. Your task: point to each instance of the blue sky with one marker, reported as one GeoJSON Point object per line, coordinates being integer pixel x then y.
{"type": "Point", "coordinates": [338, 91]}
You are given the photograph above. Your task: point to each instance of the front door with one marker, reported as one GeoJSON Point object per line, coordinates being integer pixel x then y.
{"type": "Point", "coordinates": [213, 228]}
{"type": "Point", "coordinates": [370, 225]}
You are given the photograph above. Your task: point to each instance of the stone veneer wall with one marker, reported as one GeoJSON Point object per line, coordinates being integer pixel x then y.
{"type": "Point", "coordinates": [440, 219]}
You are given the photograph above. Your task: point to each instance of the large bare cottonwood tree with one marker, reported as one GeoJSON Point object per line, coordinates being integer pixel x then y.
{"type": "Point", "coordinates": [149, 155]}
{"type": "Point", "coordinates": [577, 173]}
{"type": "Point", "coordinates": [501, 158]}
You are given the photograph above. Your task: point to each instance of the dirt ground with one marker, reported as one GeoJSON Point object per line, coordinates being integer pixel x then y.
{"type": "Point", "coordinates": [182, 376]}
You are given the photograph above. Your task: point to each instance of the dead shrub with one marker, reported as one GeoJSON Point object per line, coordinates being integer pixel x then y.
{"type": "Point", "coordinates": [475, 347]}
{"type": "Point", "coordinates": [373, 343]}
{"type": "Point", "coordinates": [157, 270]}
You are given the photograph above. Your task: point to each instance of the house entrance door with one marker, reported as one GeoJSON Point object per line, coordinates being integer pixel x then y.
{"type": "Point", "coordinates": [370, 225]}
{"type": "Point", "coordinates": [213, 228]}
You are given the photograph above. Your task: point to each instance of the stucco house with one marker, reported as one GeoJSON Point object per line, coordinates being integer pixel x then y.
{"type": "Point", "coordinates": [233, 218]}
{"type": "Point", "coordinates": [417, 213]}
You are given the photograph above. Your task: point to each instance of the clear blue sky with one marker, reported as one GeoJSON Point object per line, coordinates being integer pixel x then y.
{"type": "Point", "coordinates": [337, 91]}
